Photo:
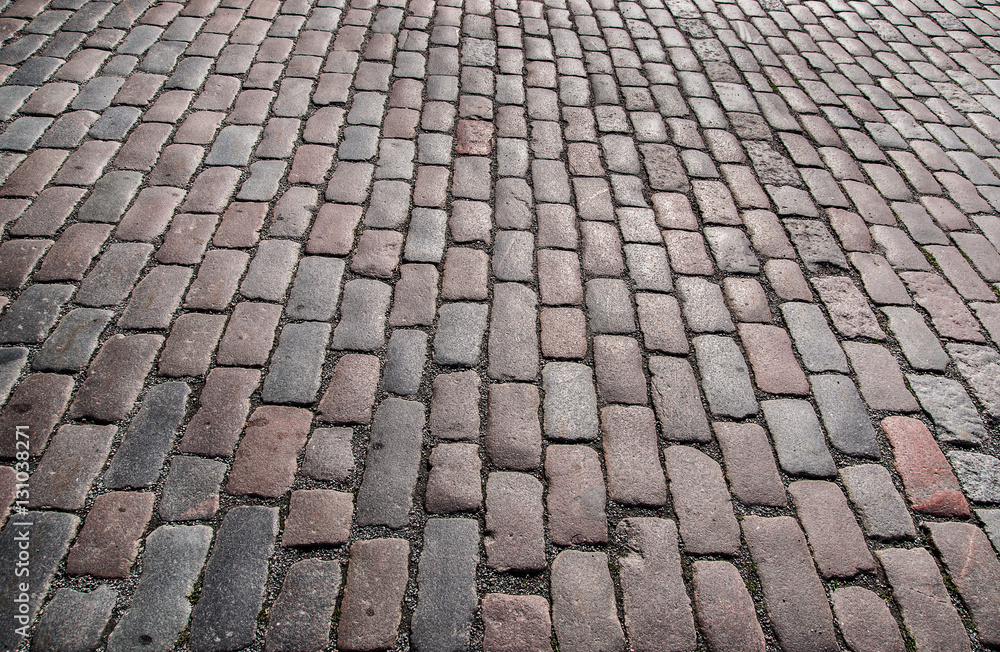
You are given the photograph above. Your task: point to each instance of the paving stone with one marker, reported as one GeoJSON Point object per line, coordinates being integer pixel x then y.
{"type": "Point", "coordinates": [459, 336]}
{"type": "Point", "coordinates": [516, 623]}
{"type": "Point", "coordinates": [111, 279]}
{"type": "Point", "coordinates": [140, 456]}
{"type": "Point", "coordinates": [38, 402]}
{"type": "Point", "coordinates": [848, 308]}
{"type": "Point", "coordinates": [515, 538]}
{"type": "Point", "coordinates": [232, 593]}
{"type": "Point", "coordinates": [815, 244]}
{"type": "Point", "coordinates": [834, 536]}
{"type": "Point", "coordinates": [386, 493]}
{"type": "Point", "coordinates": [609, 307]}
{"type": "Point", "coordinates": [576, 499]}
{"type": "Point", "coordinates": [725, 609]}
{"type": "Point", "coordinates": [660, 322]}
{"type": "Point", "coordinates": [677, 400]}
{"type": "Point", "coordinates": [270, 270]}
{"type": "Point", "coordinates": [466, 274]}
{"type": "Point", "coordinates": [929, 482]}
{"type": "Point", "coordinates": [109, 540]}
{"type": "Point", "coordinates": [513, 434]}
{"type": "Point", "coordinates": [918, 342]}
{"type": "Point", "coordinates": [318, 517]}
{"type": "Point", "coordinates": [225, 404]}
{"type": "Point", "coordinates": [296, 366]}
{"type": "Point", "coordinates": [455, 406]}
{"type": "Point", "coordinates": [48, 537]}
{"type": "Point", "coordinates": [363, 312]}
{"type": "Point", "coordinates": [844, 416]}
{"type": "Point", "coordinates": [657, 609]}
{"type": "Point", "coordinates": [798, 439]}
{"type": "Point", "coordinates": [12, 360]}
{"type": "Point", "coordinates": [929, 616]}
{"type": "Point", "coordinates": [70, 464]}
{"type": "Point", "coordinates": [155, 299]}
{"type": "Point", "coordinates": [796, 602]}
{"type": "Point", "coordinates": [249, 334]}
{"type": "Point", "coordinates": [191, 343]}
{"type": "Point", "coordinates": [978, 474]}
{"type": "Point", "coordinates": [71, 255]}
{"type": "Point", "coordinates": [116, 377]}
{"type": "Point", "coordinates": [265, 462]}
{"type": "Point", "coordinates": [351, 393]}
{"type": "Point", "coordinates": [950, 407]}
{"type": "Point", "coordinates": [865, 620]}
{"type": "Point", "coordinates": [404, 365]}
{"type": "Point", "coordinates": [701, 500]}
{"type": "Point", "coordinates": [328, 455]}
{"type": "Point", "coordinates": [725, 377]}
{"type": "Point", "coordinates": [301, 614]}
{"type": "Point", "coordinates": [333, 231]}
{"type": "Point", "coordinates": [879, 377]}
{"type": "Point", "coordinates": [978, 365]}
{"type": "Point", "coordinates": [369, 620]}
{"type": "Point", "coordinates": [74, 620]}
{"type": "Point", "coordinates": [880, 507]}
{"type": "Point", "coordinates": [704, 307]}
{"type": "Point", "coordinates": [583, 603]}
{"type": "Point", "coordinates": [454, 483]}
{"type": "Point", "coordinates": [446, 580]}
{"type": "Point", "coordinates": [687, 253]}
{"type": "Point", "coordinates": [30, 318]}
{"type": "Point", "coordinates": [292, 214]}
{"type": "Point", "coordinates": [191, 489]}
{"type": "Point", "coordinates": [570, 405]}
{"type": "Point", "coordinates": [769, 350]}
{"type": "Point", "coordinates": [112, 194]}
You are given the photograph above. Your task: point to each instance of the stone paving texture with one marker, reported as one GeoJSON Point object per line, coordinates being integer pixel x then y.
{"type": "Point", "coordinates": [515, 325]}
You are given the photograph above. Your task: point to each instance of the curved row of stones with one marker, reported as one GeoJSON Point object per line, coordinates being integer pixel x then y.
{"type": "Point", "coordinates": [431, 325]}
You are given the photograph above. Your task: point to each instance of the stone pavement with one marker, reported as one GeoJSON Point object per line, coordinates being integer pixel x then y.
{"type": "Point", "coordinates": [586, 325]}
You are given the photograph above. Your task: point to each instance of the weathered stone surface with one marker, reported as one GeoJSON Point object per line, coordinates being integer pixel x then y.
{"type": "Point", "coordinates": [318, 517]}
{"type": "Point", "coordinates": [814, 340]}
{"type": "Point", "coordinates": [38, 403]}
{"type": "Point", "coordinates": [109, 540]}
{"type": "Point", "coordinates": [513, 340]}
{"type": "Point", "coordinates": [139, 458]}
{"type": "Point", "coordinates": [880, 378]}
{"type": "Point", "coordinates": [798, 439]}
{"type": "Point", "coordinates": [351, 393]}
{"type": "Point", "coordinates": [300, 616]}
{"type": "Point", "coordinates": [701, 500]}
{"type": "Point", "coordinates": [369, 619]}
{"type": "Point", "coordinates": [677, 400]}
{"type": "Point", "coordinates": [70, 464]}
{"type": "Point", "coordinates": [328, 455]}
{"type": "Point", "coordinates": [583, 603]}
{"type": "Point", "coordinates": [191, 490]}
{"type": "Point", "coordinates": [919, 344]}
{"type": "Point", "coordinates": [386, 493]}
{"type": "Point", "coordinates": [725, 376]}
{"type": "Point", "coordinates": [74, 620]}
{"type": "Point", "coordinates": [225, 403]}
{"type": "Point", "coordinates": [570, 404]}
{"type": "Point", "coordinates": [265, 461]}
{"type": "Point", "coordinates": [954, 415]}
{"type": "Point", "coordinates": [577, 497]}
{"type": "Point", "coordinates": [454, 483]}
{"type": "Point", "coordinates": [516, 623]}
{"type": "Point", "coordinates": [865, 621]}
{"type": "Point", "coordinates": [844, 416]}
{"type": "Point", "coordinates": [978, 474]}
{"type": "Point", "coordinates": [834, 536]}
{"type": "Point", "coordinates": [879, 505]}
{"type": "Point", "coordinates": [513, 432]}
{"type": "Point", "coordinates": [775, 369]}
{"type": "Point", "coordinates": [725, 609]}
{"type": "Point", "coordinates": [635, 476]}
{"type": "Point", "coordinates": [515, 535]}
{"type": "Point", "coordinates": [446, 580]}
{"type": "Point", "coordinates": [750, 467]}
{"type": "Point", "coordinates": [115, 377]}
{"type": "Point", "coordinates": [980, 366]}
{"type": "Point", "coordinates": [927, 478]}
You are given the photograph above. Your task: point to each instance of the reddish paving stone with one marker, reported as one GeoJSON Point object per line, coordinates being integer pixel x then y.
{"type": "Point", "coordinates": [351, 393]}
{"type": "Point", "coordinates": [661, 323]}
{"type": "Point", "coordinates": [767, 234]}
{"type": "Point", "coordinates": [657, 608]}
{"type": "Point", "coordinates": [848, 307]}
{"type": "Point", "coordinates": [834, 536]}
{"type": "Point", "coordinates": [211, 190]}
{"type": "Point", "coordinates": [155, 299]}
{"type": "Point", "coordinates": [265, 461]}
{"type": "Point", "coordinates": [71, 255]}
{"type": "Point", "coordinates": [576, 498]}
{"type": "Point", "coordinates": [48, 212]}
{"type": "Point", "coordinates": [34, 173]}
{"type": "Point", "coordinates": [677, 400]}
{"type": "Point", "coordinates": [928, 612]}
{"type": "Point", "coordinates": [369, 620]}
{"type": "Point", "coordinates": [865, 621]}
{"type": "Point", "coordinates": [454, 483]}
{"type": "Point", "coordinates": [515, 535]}
{"type": "Point", "coordinates": [635, 476]}
{"type": "Point", "coordinates": [513, 432]}
{"type": "Point", "coordinates": [455, 406]}
{"type": "Point", "coordinates": [750, 466]}
{"type": "Point", "coordinates": [880, 378]}
{"type": "Point", "coordinates": [564, 333]}
{"type": "Point", "coordinates": [38, 402]}
{"type": "Point", "coordinates": [687, 253]}
{"type": "Point", "coordinates": [950, 316]}
{"type": "Point", "coordinates": [84, 166]}
{"type": "Point", "coordinates": [516, 623]}
{"type": "Point", "coordinates": [474, 137]}
{"type": "Point", "coordinates": [618, 367]}
{"type": "Point", "coordinates": [311, 164]}
{"type": "Point", "coordinates": [928, 480]}
{"type": "Point", "coordinates": [851, 230]}
{"type": "Point", "coordinates": [747, 300]}
{"type": "Point", "coordinates": [333, 231]}
{"type": "Point", "coordinates": [150, 214]}
{"type": "Point", "coordinates": [559, 277]}
{"type": "Point", "coordinates": [115, 377]}
{"type": "Point", "coordinates": [190, 345]}
{"type": "Point", "coordinates": [466, 274]}
{"type": "Point", "coordinates": [187, 238]}
{"type": "Point", "coordinates": [701, 501]}
{"type": "Point", "coordinates": [584, 613]}
{"type": "Point", "coordinates": [769, 351]}
{"type": "Point", "coordinates": [415, 296]}
{"type": "Point", "coordinates": [785, 277]}
{"type": "Point", "coordinates": [224, 405]}
{"type": "Point", "coordinates": [217, 281]}
{"type": "Point", "coordinates": [431, 187]}
{"type": "Point", "coordinates": [725, 609]}
{"type": "Point", "coordinates": [108, 543]}
{"type": "Point", "coordinates": [70, 465]}
{"type": "Point", "coordinates": [318, 517]}
{"type": "Point", "coordinates": [796, 602]}
{"type": "Point", "coordinates": [249, 336]}
{"type": "Point", "coordinates": [377, 253]}
{"type": "Point", "coordinates": [602, 249]}
{"type": "Point", "coordinates": [17, 259]}
{"type": "Point", "coordinates": [241, 224]}
{"type": "Point", "coordinates": [142, 149]}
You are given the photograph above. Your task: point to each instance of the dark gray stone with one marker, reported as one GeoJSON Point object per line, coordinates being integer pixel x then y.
{"type": "Point", "coordinates": [570, 404]}
{"type": "Point", "coordinates": [978, 474]}
{"type": "Point", "coordinates": [513, 341]}
{"type": "Point", "coordinates": [233, 146]}
{"type": "Point", "coordinates": [798, 440]}
{"type": "Point", "coordinates": [316, 290]}
{"type": "Point", "coordinates": [48, 535]}
{"type": "Point", "coordinates": [328, 455]}
{"type": "Point", "coordinates": [12, 361]}
{"type": "Point", "coordinates": [112, 194]}
{"type": "Point", "coordinates": [191, 490]}
{"type": "Point", "coordinates": [446, 580]}
{"type": "Point", "coordinates": [950, 407]}
{"type": "Point", "coordinates": [149, 437]}
{"type": "Point", "coordinates": [725, 376]}
{"type": "Point", "coordinates": [297, 363]}
{"type": "Point", "coordinates": [404, 362]}
{"type": "Point", "coordinates": [171, 564]}
{"type": "Point", "coordinates": [114, 123]}
{"type": "Point", "coordinates": [813, 338]}
{"type": "Point", "coordinates": [844, 415]}
{"type": "Point", "coordinates": [112, 278]}
{"type": "Point", "coordinates": [386, 493]}
{"type": "Point", "coordinates": [271, 270]}
{"type": "Point", "coordinates": [882, 510]}
{"type": "Point", "coordinates": [301, 614]}
{"type": "Point", "coordinates": [232, 593]}
{"type": "Point", "coordinates": [609, 307]}
{"type": "Point", "coordinates": [97, 94]}
{"type": "Point", "coordinates": [71, 345]}
{"type": "Point", "coordinates": [75, 621]}
{"type": "Point", "coordinates": [459, 336]}
{"type": "Point", "coordinates": [362, 315]}
{"type": "Point", "coordinates": [36, 310]}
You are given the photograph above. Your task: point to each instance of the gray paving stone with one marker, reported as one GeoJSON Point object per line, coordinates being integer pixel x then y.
{"type": "Point", "coordinates": [270, 270]}
{"type": "Point", "coordinates": [815, 244]}
{"type": "Point", "coordinates": [300, 616]}
{"type": "Point", "coordinates": [370, 621]}
{"type": "Point", "coordinates": [446, 580]}
{"type": "Point", "coordinates": [991, 523]}
{"type": "Point", "coordinates": [584, 613]}
{"type": "Point", "coordinates": [731, 250]}
{"type": "Point", "coordinates": [139, 459]}
{"type": "Point", "coordinates": [570, 403]}
{"type": "Point", "coordinates": [96, 95]}
{"type": "Point", "coordinates": [879, 505]}
{"type": "Point", "coordinates": [111, 279]}
{"type": "Point", "coordinates": [22, 134]}
{"type": "Point", "coordinates": [813, 338]}
{"type": "Point", "coordinates": [12, 360]}
{"type": "Point", "coordinates": [609, 307]}
{"type": "Point", "coordinates": [513, 252]}
{"type": "Point", "coordinates": [704, 307]}
{"type": "Point", "coordinates": [232, 593]}
{"type": "Point", "coordinates": [114, 123]}
{"type": "Point", "coordinates": [112, 194]}
{"type": "Point", "coordinates": [405, 357]}
{"type": "Point", "coordinates": [30, 318]}
{"type": "Point", "coordinates": [363, 312]}
{"type": "Point", "coordinates": [979, 366]}
{"type": "Point", "coordinates": [297, 363]}
{"type": "Point", "coordinates": [156, 298]}
{"type": "Point", "coordinates": [700, 497]}
{"type": "Point", "coordinates": [978, 474]}
{"type": "Point", "coordinates": [316, 291]}
{"type": "Point", "coordinates": [844, 416]}
{"type": "Point", "coordinates": [918, 342]}
{"type": "Point", "coordinates": [459, 336]}
{"type": "Point", "coordinates": [425, 238]}
{"type": "Point", "coordinates": [949, 405]}
{"type": "Point", "coordinates": [725, 376]}
{"type": "Point", "coordinates": [513, 340]}
{"type": "Point", "coordinates": [798, 439]}
{"type": "Point", "coordinates": [677, 400]}
{"type": "Point", "coordinates": [233, 146]}
{"type": "Point", "coordinates": [191, 489]}
{"type": "Point", "coordinates": [74, 620]}
{"type": "Point", "coordinates": [386, 493]}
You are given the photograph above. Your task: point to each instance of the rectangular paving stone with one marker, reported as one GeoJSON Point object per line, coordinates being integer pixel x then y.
{"type": "Point", "coordinates": [879, 377]}
{"type": "Point", "coordinates": [318, 517]}
{"type": "Point", "coordinates": [725, 376]}
{"type": "Point", "coordinates": [112, 194]}
{"type": "Point", "coordinates": [796, 601]}
{"type": "Point", "coordinates": [191, 489]}
{"type": "Point", "coordinates": [837, 544]}
{"type": "Point", "coordinates": [459, 336]}
{"type": "Point", "coordinates": [978, 365]}
{"type": "Point", "coordinates": [224, 405]}
{"type": "Point", "coordinates": [813, 338]}
{"type": "Point", "coordinates": [514, 537]}
{"type": "Point", "coordinates": [109, 540]}
{"type": "Point", "coordinates": [951, 408]}
{"type": "Point", "coordinates": [454, 483]}
{"type": "Point", "coordinates": [848, 308]}
{"type": "Point", "coordinates": [116, 377]}
{"type": "Point", "coordinates": [879, 505]}
{"type": "Point", "coordinates": [798, 439]}
{"type": "Point", "coordinates": [301, 614]}
{"type": "Point", "coordinates": [775, 369]}
{"type": "Point", "coordinates": [724, 607]}
{"type": "Point", "coordinates": [249, 334]}
{"type": "Point", "coordinates": [294, 372]}
{"type": "Point", "coordinates": [844, 416]}
{"type": "Point", "coordinates": [516, 622]}
{"type": "Point", "coordinates": [370, 620]}
{"type": "Point", "coordinates": [270, 270]}
{"type": "Point", "coordinates": [405, 357]}
{"type": "Point", "coordinates": [446, 581]}
{"type": "Point", "coordinates": [918, 342]}
{"type": "Point", "coordinates": [618, 367]}
{"type": "Point", "coordinates": [570, 405]}
{"type": "Point", "coordinates": [190, 345]}
{"type": "Point", "coordinates": [930, 484]}
{"type": "Point", "coordinates": [76, 619]}
{"type": "Point", "coordinates": [702, 503]}
{"type": "Point", "coordinates": [677, 400]}
{"type": "Point", "coordinates": [351, 393]}
{"type": "Point", "coordinates": [37, 403]}
{"type": "Point", "coordinates": [949, 314]}
{"type": "Point", "coordinates": [584, 612]}
{"type": "Point", "coordinates": [218, 278]}
{"type": "Point", "coordinates": [661, 324]}
{"type": "Point", "coordinates": [265, 462]}
{"type": "Point", "coordinates": [140, 456]}
{"type": "Point", "coordinates": [36, 310]}
{"type": "Point", "coordinates": [69, 466]}
{"type": "Point", "coordinates": [71, 255]}
{"type": "Point", "coordinates": [750, 467]}
{"type": "Point", "coordinates": [386, 493]}
{"type": "Point", "coordinates": [232, 593]}
{"type": "Point", "coordinates": [112, 278]}
{"type": "Point", "coordinates": [362, 316]}
{"type": "Point", "coordinates": [575, 501]}
{"type": "Point", "coordinates": [657, 608]}
{"type": "Point", "coordinates": [316, 290]}
{"type": "Point", "coordinates": [513, 339]}
{"type": "Point", "coordinates": [155, 299]}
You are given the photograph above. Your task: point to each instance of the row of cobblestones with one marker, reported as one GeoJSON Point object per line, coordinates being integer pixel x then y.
{"type": "Point", "coordinates": [586, 325]}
